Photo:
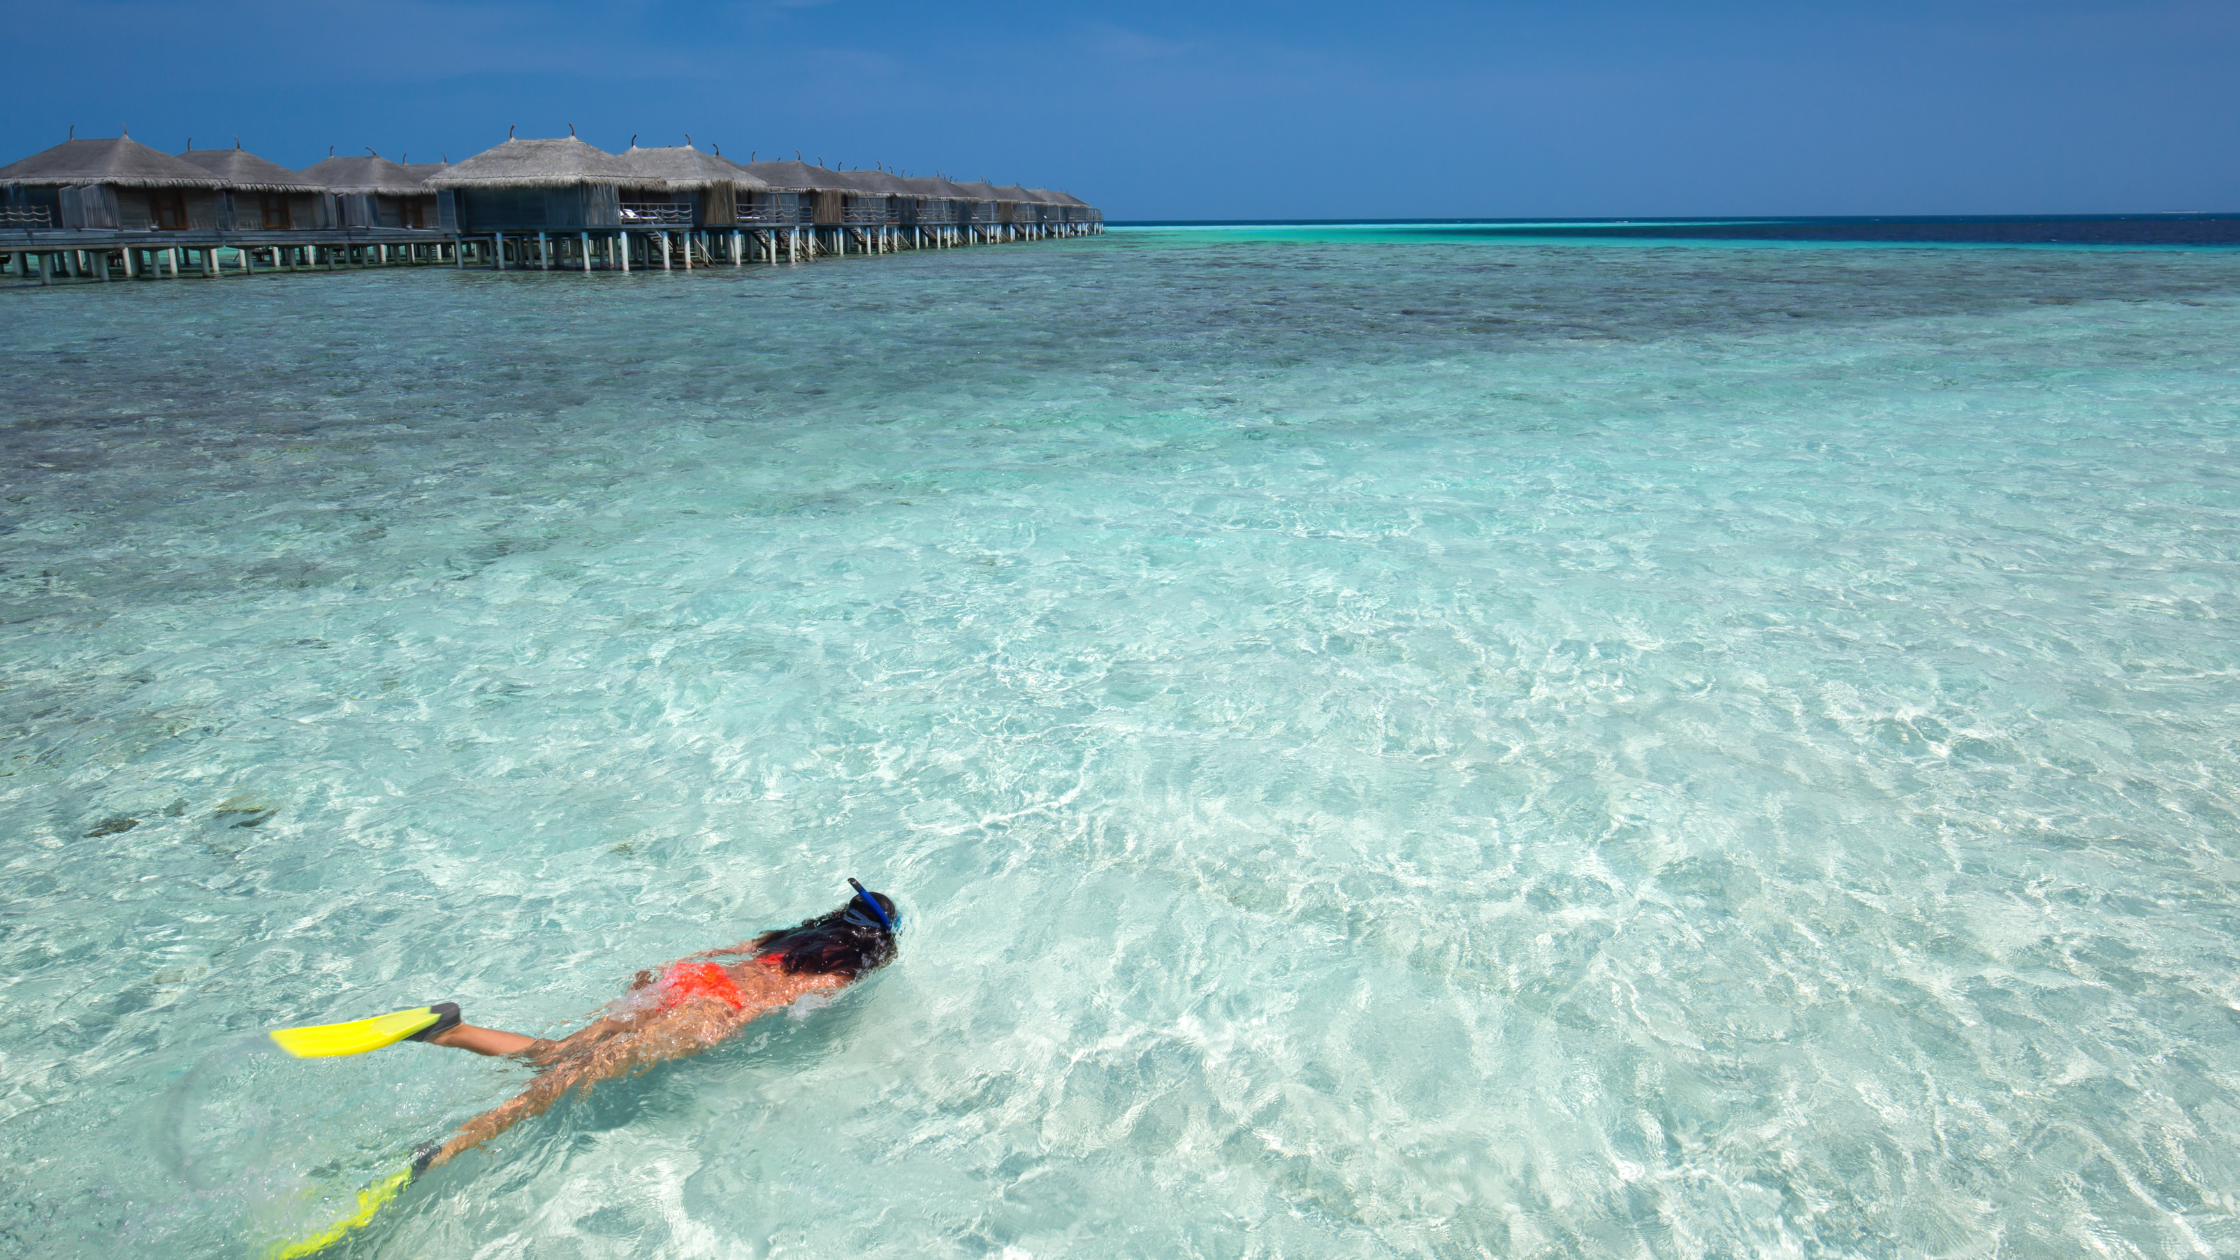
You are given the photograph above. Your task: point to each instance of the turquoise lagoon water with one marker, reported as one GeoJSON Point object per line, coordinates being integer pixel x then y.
{"type": "Point", "coordinates": [1386, 747]}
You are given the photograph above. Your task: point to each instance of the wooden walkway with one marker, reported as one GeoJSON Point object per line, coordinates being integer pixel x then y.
{"type": "Point", "coordinates": [30, 257]}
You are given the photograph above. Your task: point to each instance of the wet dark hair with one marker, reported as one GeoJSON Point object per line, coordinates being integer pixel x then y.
{"type": "Point", "coordinates": [835, 944]}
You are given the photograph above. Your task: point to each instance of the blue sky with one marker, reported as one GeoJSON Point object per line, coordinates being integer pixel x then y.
{"type": "Point", "coordinates": [1174, 110]}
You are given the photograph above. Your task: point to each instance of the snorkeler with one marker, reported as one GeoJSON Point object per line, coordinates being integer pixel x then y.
{"type": "Point", "coordinates": [690, 1005]}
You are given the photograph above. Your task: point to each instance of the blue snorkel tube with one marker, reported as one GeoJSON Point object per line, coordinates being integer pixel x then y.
{"type": "Point", "coordinates": [878, 912]}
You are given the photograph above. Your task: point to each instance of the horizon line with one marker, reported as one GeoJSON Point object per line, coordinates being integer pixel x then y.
{"type": "Point", "coordinates": [1651, 220]}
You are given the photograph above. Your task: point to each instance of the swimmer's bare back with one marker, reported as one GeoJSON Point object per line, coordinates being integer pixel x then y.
{"type": "Point", "coordinates": [624, 1045]}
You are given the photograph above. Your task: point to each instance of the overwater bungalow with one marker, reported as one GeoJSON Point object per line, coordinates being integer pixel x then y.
{"type": "Point", "coordinates": [825, 211]}
{"type": "Point", "coordinates": [981, 208]}
{"type": "Point", "coordinates": [261, 196]}
{"type": "Point", "coordinates": [1015, 206]}
{"type": "Point", "coordinates": [768, 206]}
{"type": "Point", "coordinates": [1068, 209]}
{"type": "Point", "coordinates": [560, 184]}
{"type": "Point", "coordinates": [876, 197]}
{"type": "Point", "coordinates": [1074, 211]}
{"type": "Point", "coordinates": [820, 195]}
{"type": "Point", "coordinates": [686, 187]}
{"type": "Point", "coordinates": [540, 188]}
{"type": "Point", "coordinates": [764, 204]}
{"type": "Point", "coordinates": [564, 203]}
{"type": "Point", "coordinates": [1052, 204]}
{"type": "Point", "coordinates": [108, 183]}
{"type": "Point", "coordinates": [371, 192]}
{"type": "Point", "coordinates": [941, 204]}
{"type": "Point", "coordinates": [1047, 208]}
{"type": "Point", "coordinates": [88, 208]}
{"type": "Point", "coordinates": [382, 211]}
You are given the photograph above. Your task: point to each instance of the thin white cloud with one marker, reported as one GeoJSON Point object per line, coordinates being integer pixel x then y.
{"type": "Point", "coordinates": [1121, 43]}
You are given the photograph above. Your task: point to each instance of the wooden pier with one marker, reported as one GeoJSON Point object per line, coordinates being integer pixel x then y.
{"type": "Point", "coordinates": [50, 257]}
{"type": "Point", "coordinates": [95, 211]}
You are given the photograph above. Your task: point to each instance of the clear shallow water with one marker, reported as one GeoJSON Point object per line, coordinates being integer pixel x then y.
{"type": "Point", "coordinates": [1403, 749]}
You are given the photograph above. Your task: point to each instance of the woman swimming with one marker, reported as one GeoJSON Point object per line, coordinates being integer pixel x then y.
{"type": "Point", "coordinates": [690, 1005]}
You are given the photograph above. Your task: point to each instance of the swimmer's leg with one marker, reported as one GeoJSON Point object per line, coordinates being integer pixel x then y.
{"type": "Point", "coordinates": [543, 1053]}
{"type": "Point", "coordinates": [489, 1041]}
{"type": "Point", "coordinates": [546, 1054]}
{"type": "Point", "coordinates": [450, 1030]}
{"type": "Point", "coordinates": [541, 1094]}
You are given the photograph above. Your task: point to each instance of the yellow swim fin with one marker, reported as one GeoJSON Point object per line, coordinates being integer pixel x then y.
{"type": "Point", "coordinates": [370, 1201]}
{"type": "Point", "coordinates": [328, 1040]}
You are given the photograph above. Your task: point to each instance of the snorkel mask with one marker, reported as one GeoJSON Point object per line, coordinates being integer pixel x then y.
{"type": "Point", "coordinates": [878, 916]}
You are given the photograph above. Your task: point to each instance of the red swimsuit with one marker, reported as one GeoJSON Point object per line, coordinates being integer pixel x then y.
{"type": "Point", "coordinates": [686, 981]}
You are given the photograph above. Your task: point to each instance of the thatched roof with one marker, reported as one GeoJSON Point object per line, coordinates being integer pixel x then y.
{"type": "Point", "coordinates": [796, 176]}
{"type": "Point", "coordinates": [124, 162]}
{"type": "Point", "coordinates": [422, 170]}
{"type": "Point", "coordinates": [877, 183]}
{"type": "Point", "coordinates": [979, 192]}
{"type": "Point", "coordinates": [1012, 192]}
{"type": "Point", "coordinates": [557, 163]}
{"type": "Point", "coordinates": [365, 175]}
{"type": "Point", "coordinates": [936, 188]}
{"type": "Point", "coordinates": [247, 172]}
{"type": "Point", "coordinates": [682, 167]}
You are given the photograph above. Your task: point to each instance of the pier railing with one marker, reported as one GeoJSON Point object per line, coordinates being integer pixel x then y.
{"type": "Point", "coordinates": [32, 251]}
{"type": "Point", "coordinates": [636, 213]}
